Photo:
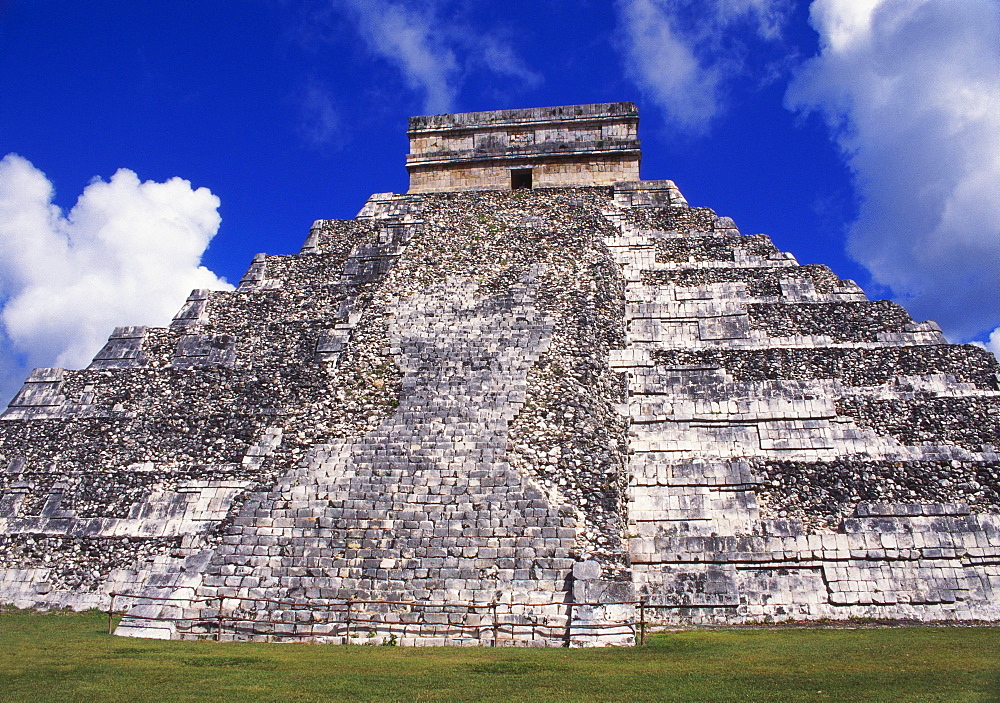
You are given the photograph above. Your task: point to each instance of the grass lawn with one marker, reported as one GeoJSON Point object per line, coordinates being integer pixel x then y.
{"type": "Point", "coordinates": [72, 658]}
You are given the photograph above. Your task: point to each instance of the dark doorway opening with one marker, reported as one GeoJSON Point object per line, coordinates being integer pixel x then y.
{"type": "Point", "coordinates": [520, 178]}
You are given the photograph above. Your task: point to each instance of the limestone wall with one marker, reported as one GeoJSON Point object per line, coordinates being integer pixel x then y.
{"type": "Point", "coordinates": [576, 145]}
{"type": "Point", "coordinates": [558, 401]}
{"type": "Point", "coordinates": [597, 169]}
{"type": "Point", "coordinates": [797, 451]}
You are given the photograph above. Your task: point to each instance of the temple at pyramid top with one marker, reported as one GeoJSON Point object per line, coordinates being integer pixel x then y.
{"type": "Point", "coordinates": [542, 147]}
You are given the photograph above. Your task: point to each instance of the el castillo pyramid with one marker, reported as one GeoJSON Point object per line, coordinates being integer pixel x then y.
{"type": "Point", "coordinates": [533, 401]}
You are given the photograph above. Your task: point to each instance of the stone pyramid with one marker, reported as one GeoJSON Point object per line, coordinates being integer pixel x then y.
{"type": "Point", "coordinates": [534, 401]}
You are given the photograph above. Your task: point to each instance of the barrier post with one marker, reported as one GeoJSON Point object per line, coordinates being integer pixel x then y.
{"type": "Point", "coordinates": [111, 613]}
{"type": "Point", "coordinates": [347, 625]}
{"type": "Point", "coordinates": [218, 632]}
{"type": "Point", "coordinates": [569, 625]}
{"type": "Point", "coordinates": [642, 621]}
{"type": "Point", "coordinates": [496, 624]}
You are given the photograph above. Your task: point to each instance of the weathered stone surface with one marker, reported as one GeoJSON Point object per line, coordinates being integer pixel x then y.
{"type": "Point", "coordinates": [827, 457]}
{"type": "Point", "coordinates": [542, 147]}
{"type": "Point", "coordinates": [502, 417]}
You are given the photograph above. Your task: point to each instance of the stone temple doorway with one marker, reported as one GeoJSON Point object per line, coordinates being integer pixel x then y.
{"type": "Point", "coordinates": [520, 178]}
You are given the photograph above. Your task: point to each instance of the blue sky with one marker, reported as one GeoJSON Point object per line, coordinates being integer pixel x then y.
{"type": "Point", "coordinates": [863, 134]}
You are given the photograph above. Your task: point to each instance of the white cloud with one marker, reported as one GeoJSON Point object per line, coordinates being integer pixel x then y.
{"type": "Point", "coordinates": [498, 57]}
{"type": "Point", "coordinates": [766, 17]}
{"type": "Point", "coordinates": [320, 124]}
{"type": "Point", "coordinates": [433, 48]}
{"type": "Point", "coordinates": [911, 92]}
{"type": "Point", "coordinates": [683, 54]}
{"type": "Point", "coordinates": [127, 253]}
{"type": "Point", "coordinates": [663, 65]}
{"type": "Point", "coordinates": [408, 36]}
{"type": "Point", "coordinates": [994, 342]}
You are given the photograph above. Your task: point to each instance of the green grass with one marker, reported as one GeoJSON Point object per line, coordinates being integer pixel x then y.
{"type": "Point", "coordinates": [72, 658]}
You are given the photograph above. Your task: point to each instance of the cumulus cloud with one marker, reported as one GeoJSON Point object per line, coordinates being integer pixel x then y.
{"type": "Point", "coordinates": [991, 344]}
{"type": "Point", "coordinates": [683, 54]}
{"type": "Point", "coordinates": [910, 90]}
{"type": "Point", "coordinates": [128, 253]}
{"type": "Point", "coordinates": [994, 342]}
